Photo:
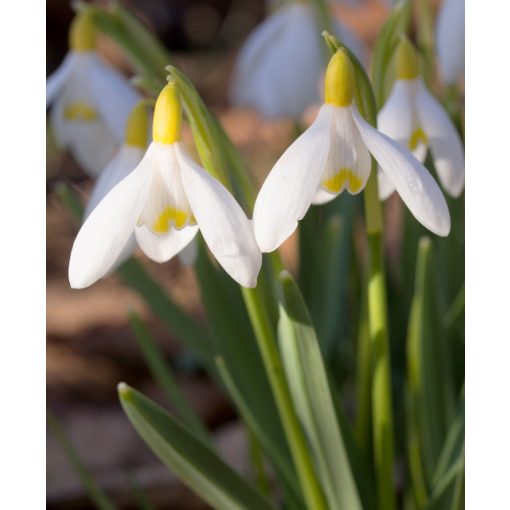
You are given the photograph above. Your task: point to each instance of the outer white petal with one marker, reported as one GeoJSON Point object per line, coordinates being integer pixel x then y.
{"type": "Point", "coordinates": [450, 40]}
{"type": "Point", "coordinates": [163, 248]}
{"type": "Point", "coordinates": [121, 165]}
{"type": "Point", "coordinates": [188, 255]}
{"type": "Point", "coordinates": [415, 185]}
{"type": "Point", "coordinates": [114, 96]}
{"type": "Point", "coordinates": [291, 185]}
{"type": "Point", "coordinates": [56, 81]}
{"type": "Point", "coordinates": [444, 141]}
{"type": "Point", "coordinates": [385, 186]}
{"type": "Point", "coordinates": [106, 231]}
{"type": "Point", "coordinates": [224, 226]}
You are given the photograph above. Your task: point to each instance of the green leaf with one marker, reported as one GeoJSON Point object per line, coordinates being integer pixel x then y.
{"type": "Point", "coordinates": [384, 48]}
{"type": "Point", "coordinates": [310, 391]}
{"type": "Point", "coordinates": [96, 495]}
{"type": "Point", "coordinates": [188, 457]}
{"type": "Point", "coordinates": [428, 380]}
{"type": "Point", "coordinates": [162, 373]}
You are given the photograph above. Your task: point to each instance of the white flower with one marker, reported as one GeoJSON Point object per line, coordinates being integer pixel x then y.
{"type": "Point", "coordinates": [450, 40]}
{"type": "Point", "coordinates": [416, 119]}
{"type": "Point", "coordinates": [165, 200]}
{"type": "Point", "coordinates": [278, 67]}
{"type": "Point", "coordinates": [92, 101]}
{"type": "Point", "coordinates": [333, 155]}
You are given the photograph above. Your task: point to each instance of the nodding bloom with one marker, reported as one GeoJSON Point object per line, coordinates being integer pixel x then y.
{"type": "Point", "coordinates": [415, 118]}
{"type": "Point", "coordinates": [165, 201]}
{"type": "Point", "coordinates": [278, 68]}
{"type": "Point", "coordinates": [450, 39]}
{"type": "Point", "coordinates": [91, 100]}
{"type": "Point", "coordinates": [333, 154]}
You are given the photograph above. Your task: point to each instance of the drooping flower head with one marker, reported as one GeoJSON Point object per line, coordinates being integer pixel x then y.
{"type": "Point", "coordinates": [91, 100]}
{"type": "Point", "coordinates": [450, 40]}
{"type": "Point", "coordinates": [333, 154]}
{"type": "Point", "coordinates": [279, 66]}
{"type": "Point", "coordinates": [414, 117]}
{"type": "Point", "coordinates": [165, 201]}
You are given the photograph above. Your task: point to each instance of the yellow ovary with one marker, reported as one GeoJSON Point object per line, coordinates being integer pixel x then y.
{"type": "Point", "coordinates": [407, 60]}
{"type": "Point", "coordinates": [345, 175]}
{"type": "Point", "coordinates": [417, 137]}
{"type": "Point", "coordinates": [82, 35]}
{"type": "Point", "coordinates": [136, 127]}
{"type": "Point", "coordinates": [171, 216]}
{"type": "Point", "coordinates": [339, 80]}
{"type": "Point", "coordinates": [166, 124]}
{"type": "Point", "coordinates": [80, 111]}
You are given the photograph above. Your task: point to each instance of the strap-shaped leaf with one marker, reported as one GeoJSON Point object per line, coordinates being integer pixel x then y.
{"type": "Point", "coordinates": [188, 457]}
{"type": "Point", "coordinates": [310, 391]}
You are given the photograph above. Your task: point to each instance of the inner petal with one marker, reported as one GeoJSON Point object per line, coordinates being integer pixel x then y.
{"type": "Point", "coordinates": [167, 205]}
{"type": "Point", "coordinates": [348, 164]}
{"type": "Point", "coordinates": [418, 137]}
{"type": "Point", "coordinates": [80, 111]}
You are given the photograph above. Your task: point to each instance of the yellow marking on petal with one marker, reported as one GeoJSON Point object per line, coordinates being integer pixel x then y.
{"type": "Point", "coordinates": [170, 216]}
{"type": "Point", "coordinates": [339, 80]}
{"type": "Point", "coordinates": [345, 175]}
{"type": "Point", "coordinates": [80, 111]}
{"type": "Point", "coordinates": [417, 137]}
{"type": "Point", "coordinates": [137, 125]}
{"type": "Point", "coordinates": [82, 35]}
{"type": "Point", "coordinates": [166, 126]}
{"type": "Point", "coordinates": [408, 63]}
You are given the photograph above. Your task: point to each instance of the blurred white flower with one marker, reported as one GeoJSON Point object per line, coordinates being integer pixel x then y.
{"type": "Point", "coordinates": [333, 154]}
{"type": "Point", "coordinates": [91, 100]}
{"type": "Point", "coordinates": [165, 200]}
{"type": "Point", "coordinates": [279, 65]}
{"type": "Point", "coordinates": [413, 117]}
{"type": "Point", "coordinates": [450, 40]}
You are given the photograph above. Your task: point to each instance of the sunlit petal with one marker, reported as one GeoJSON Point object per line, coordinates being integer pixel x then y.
{"type": "Point", "coordinates": [415, 185]}
{"type": "Point", "coordinates": [291, 185]}
{"type": "Point", "coordinates": [224, 225]}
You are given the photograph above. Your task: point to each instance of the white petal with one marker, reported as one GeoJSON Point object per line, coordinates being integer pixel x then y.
{"type": "Point", "coordinates": [114, 95]}
{"type": "Point", "coordinates": [291, 185]}
{"type": "Point", "coordinates": [121, 165]}
{"type": "Point", "coordinates": [56, 81]}
{"type": "Point", "coordinates": [106, 231]}
{"type": "Point", "coordinates": [348, 164]}
{"type": "Point", "coordinates": [386, 187]}
{"type": "Point", "coordinates": [415, 185]}
{"type": "Point", "coordinates": [188, 255]}
{"type": "Point", "coordinates": [164, 247]}
{"type": "Point", "coordinates": [396, 118]}
{"type": "Point", "coordinates": [450, 40]}
{"type": "Point", "coordinates": [224, 226]}
{"type": "Point", "coordinates": [322, 197]}
{"type": "Point", "coordinates": [444, 141]}
{"type": "Point", "coordinates": [167, 204]}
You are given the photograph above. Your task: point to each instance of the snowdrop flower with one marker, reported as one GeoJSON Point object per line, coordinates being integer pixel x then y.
{"type": "Point", "coordinates": [450, 39]}
{"type": "Point", "coordinates": [414, 117]}
{"type": "Point", "coordinates": [165, 200]}
{"type": "Point", "coordinates": [92, 101]}
{"type": "Point", "coordinates": [282, 52]}
{"type": "Point", "coordinates": [333, 154]}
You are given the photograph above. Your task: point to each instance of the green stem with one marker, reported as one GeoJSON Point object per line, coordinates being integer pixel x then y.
{"type": "Point", "coordinates": [267, 344]}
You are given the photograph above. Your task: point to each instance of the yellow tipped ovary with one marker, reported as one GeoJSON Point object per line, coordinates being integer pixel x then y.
{"type": "Point", "coordinates": [171, 216]}
{"type": "Point", "coordinates": [345, 177]}
{"type": "Point", "coordinates": [82, 35]}
{"type": "Point", "coordinates": [137, 126]}
{"type": "Point", "coordinates": [80, 111]}
{"type": "Point", "coordinates": [408, 63]}
{"type": "Point", "coordinates": [339, 80]}
{"type": "Point", "coordinates": [419, 136]}
{"type": "Point", "coordinates": [166, 127]}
